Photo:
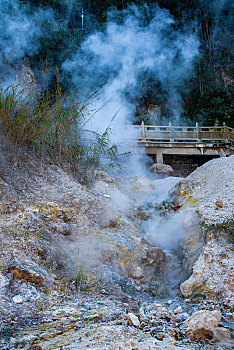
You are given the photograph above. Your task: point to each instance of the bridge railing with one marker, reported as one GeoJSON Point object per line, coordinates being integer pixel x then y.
{"type": "Point", "coordinates": [183, 133]}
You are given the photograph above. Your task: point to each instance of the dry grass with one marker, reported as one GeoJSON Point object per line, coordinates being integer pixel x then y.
{"type": "Point", "coordinates": [52, 125]}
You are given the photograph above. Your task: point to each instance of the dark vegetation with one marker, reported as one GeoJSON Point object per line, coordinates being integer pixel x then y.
{"type": "Point", "coordinates": [208, 94]}
{"type": "Point", "coordinates": [46, 122]}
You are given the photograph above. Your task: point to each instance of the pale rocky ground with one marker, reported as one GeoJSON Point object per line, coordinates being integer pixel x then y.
{"type": "Point", "coordinates": [213, 272]}
{"type": "Point", "coordinates": [58, 237]}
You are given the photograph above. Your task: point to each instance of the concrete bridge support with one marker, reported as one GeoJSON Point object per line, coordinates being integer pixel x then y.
{"type": "Point", "coordinates": [185, 157]}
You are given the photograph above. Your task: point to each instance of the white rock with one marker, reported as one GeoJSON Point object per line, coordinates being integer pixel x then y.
{"type": "Point", "coordinates": [185, 315]}
{"type": "Point", "coordinates": [133, 320]}
{"type": "Point", "coordinates": [162, 168]}
{"type": "Point", "coordinates": [178, 310]}
{"type": "Point", "coordinates": [204, 319]}
{"type": "Point", "coordinates": [18, 299]}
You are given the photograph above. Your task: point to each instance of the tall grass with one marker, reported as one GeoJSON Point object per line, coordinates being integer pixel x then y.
{"type": "Point", "coordinates": [52, 124]}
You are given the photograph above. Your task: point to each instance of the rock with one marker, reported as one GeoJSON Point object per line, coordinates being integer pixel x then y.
{"type": "Point", "coordinates": [135, 271]}
{"type": "Point", "coordinates": [178, 310]}
{"type": "Point", "coordinates": [212, 273]}
{"type": "Point", "coordinates": [219, 203]}
{"type": "Point", "coordinates": [221, 334]}
{"type": "Point", "coordinates": [185, 315]}
{"type": "Point", "coordinates": [102, 175]}
{"type": "Point", "coordinates": [160, 336]}
{"type": "Point", "coordinates": [162, 169]}
{"type": "Point", "coordinates": [133, 320]}
{"type": "Point", "coordinates": [203, 325]}
{"type": "Point", "coordinates": [157, 307]}
{"type": "Point", "coordinates": [3, 282]}
{"type": "Point", "coordinates": [29, 271]}
{"type": "Point", "coordinates": [64, 229]}
{"type": "Point", "coordinates": [204, 319]}
{"type": "Point", "coordinates": [18, 299]}
{"type": "Point", "coordinates": [13, 342]}
{"type": "Point", "coordinates": [158, 290]}
{"type": "Point", "coordinates": [27, 339]}
{"type": "Point", "coordinates": [45, 336]}
{"type": "Point", "coordinates": [155, 257]}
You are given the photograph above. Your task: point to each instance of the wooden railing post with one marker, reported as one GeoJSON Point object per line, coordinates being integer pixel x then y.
{"type": "Point", "coordinates": [171, 135]}
{"type": "Point", "coordinates": [143, 130]}
{"type": "Point", "coordinates": [197, 131]}
{"type": "Point", "coordinates": [225, 132]}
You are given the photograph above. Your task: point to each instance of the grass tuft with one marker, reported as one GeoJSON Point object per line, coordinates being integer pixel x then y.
{"type": "Point", "coordinates": [52, 124]}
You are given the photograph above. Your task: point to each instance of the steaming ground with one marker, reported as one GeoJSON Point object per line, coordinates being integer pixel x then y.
{"type": "Point", "coordinates": [58, 237]}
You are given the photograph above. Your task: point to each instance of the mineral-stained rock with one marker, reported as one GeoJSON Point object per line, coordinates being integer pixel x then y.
{"type": "Point", "coordinates": [219, 203]}
{"type": "Point", "coordinates": [203, 325]}
{"type": "Point", "coordinates": [156, 258]}
{"type": "Point", "coordinates": [133, 320]}
{"type": "Point", "coordinates": [221, 334]}
{"type": "Point", "coordinates": [162, 168]}
{"type": "Point", "coordinates": [216, 260]}
{"type": "Point", "coordinates": [135, 271]}
{"type": "Point", "coordinates": [29, 271]}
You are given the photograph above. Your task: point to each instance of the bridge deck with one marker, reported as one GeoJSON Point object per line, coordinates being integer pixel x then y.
{"type": "Point", "coordinates": [171, 133]}
{"type": "Point", "coordinates": [162, 141]}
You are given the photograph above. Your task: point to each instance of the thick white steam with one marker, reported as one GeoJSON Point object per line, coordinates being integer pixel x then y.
{"type": "Point", "coordinates": [114, 58]}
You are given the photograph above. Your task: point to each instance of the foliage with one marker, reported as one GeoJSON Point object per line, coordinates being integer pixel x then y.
{"type": "Point", "coordinates": [208, 94]}
{"type": "Point", "coordinates": [52, 124]}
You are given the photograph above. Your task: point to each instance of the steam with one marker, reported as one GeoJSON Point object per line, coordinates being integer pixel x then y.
{"type": "Point", "coordinates": [114, 59]}
{"type": "Point", "coordinates": [19, 37]}
{"type": "Point", "coordinates": [165, 233]}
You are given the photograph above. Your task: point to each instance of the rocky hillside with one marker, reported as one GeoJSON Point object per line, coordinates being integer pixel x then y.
{"type": "Point", "coordinates": [79, 270]}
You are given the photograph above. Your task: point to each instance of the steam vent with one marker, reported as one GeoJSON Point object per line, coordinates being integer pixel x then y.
{"type": "Point", "coordinates": [116, 175]}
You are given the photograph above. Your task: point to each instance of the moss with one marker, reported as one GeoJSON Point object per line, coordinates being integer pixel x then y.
{"type": "Point", "coordinates": [192, 202]}
{"type": "Point", "coordinates": [223, 229]}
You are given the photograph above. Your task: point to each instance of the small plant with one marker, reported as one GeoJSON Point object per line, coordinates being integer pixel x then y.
{"type": "Point", "coordinates": [79, 280]}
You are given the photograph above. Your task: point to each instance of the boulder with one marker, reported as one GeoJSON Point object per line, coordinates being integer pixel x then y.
{"type": "Point", "coordinates": [162, 169]}
{"type": "Point", "coordinates": [29, 271]}
{"type": "Point", "coordinates": [212, 273]}
{"type": "Point", "coordinates": [155, 257]}
{"type": "Point", "coordinates": [203, 325]}
{"type": "Point", "coordinates": [133, 320]}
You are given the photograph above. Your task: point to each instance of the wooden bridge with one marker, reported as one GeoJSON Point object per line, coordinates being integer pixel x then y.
{"type": "Point", "coordinates": [178, 144]}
